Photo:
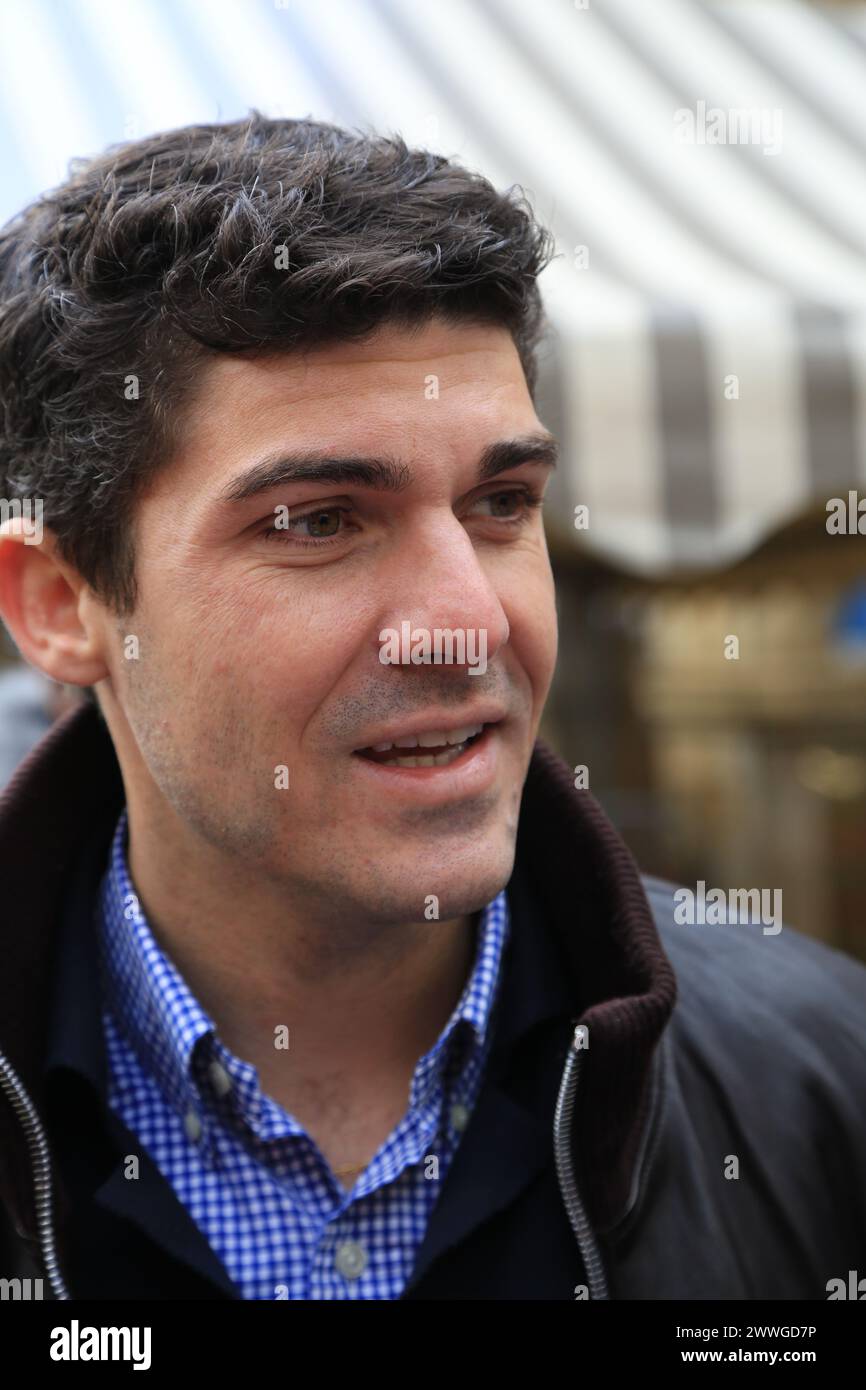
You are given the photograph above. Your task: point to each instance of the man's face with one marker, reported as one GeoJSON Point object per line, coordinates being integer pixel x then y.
{"type": "Point", "coordinates": [258, 628]}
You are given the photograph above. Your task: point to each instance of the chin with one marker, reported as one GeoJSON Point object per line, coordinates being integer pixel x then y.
{"type": "Point", "coordinates": [461, 889]}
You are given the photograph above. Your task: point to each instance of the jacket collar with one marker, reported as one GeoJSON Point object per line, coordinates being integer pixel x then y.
{"type": "Point", "coordinates": [56, 820]}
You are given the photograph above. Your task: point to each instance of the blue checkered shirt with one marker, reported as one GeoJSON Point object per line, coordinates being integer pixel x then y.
{"type": "Point", "coordinates": [247, 1172]}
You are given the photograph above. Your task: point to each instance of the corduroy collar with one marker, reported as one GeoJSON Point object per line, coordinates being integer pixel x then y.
{"type": "Point", "coordinates": [571, 867]}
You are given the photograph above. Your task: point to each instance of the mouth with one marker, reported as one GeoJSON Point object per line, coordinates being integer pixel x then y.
{"type": "Point", "coordinates": [434, 769]}
{"type": "Point", "coordinates": [439, 748]}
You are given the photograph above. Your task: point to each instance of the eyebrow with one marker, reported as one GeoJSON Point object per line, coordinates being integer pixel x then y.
{"type": "Point", "coordinates": [381, 472]}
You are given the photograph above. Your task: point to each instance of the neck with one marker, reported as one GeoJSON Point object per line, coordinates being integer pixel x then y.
{"type": "Point", "coordinates": [362, 1000]}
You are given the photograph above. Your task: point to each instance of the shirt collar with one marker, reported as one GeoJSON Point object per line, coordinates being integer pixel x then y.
{"type": "Point", "coordinates": [467, 1030]}
{"type": "Point", "coordinates": [149, 998]}
{"type": "Point", "coordinates": [174, 1036]}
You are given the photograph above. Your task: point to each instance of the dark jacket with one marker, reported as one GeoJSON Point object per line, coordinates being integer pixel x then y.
{"type": "Point", "coordinates": [603, 1170]}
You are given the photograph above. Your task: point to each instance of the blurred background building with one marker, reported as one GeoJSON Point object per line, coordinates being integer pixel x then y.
{"type": "Point", "coordinates": [703, 166]}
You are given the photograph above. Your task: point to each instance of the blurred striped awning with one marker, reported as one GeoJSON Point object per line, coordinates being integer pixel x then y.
{"type": "Point", "coordinates": [703, 166]}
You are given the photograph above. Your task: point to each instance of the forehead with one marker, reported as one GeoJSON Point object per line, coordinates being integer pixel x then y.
{"type": "Point", "coordinates": [437, 374]}
{"type": "Point", "coordinates": [439, 389]}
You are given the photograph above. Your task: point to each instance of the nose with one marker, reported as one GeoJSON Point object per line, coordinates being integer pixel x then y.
{"type": "Point", "coordinates": [436, 582]}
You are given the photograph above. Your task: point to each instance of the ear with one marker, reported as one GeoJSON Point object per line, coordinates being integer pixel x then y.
{"type": "Point", "coordinates": [41, 602]}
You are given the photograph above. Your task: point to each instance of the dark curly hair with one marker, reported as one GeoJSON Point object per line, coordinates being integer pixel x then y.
{"type": "Point", "coordinates": [255, 236]}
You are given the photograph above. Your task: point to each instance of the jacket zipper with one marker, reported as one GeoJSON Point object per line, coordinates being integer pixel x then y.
{"type": "Point", "coordinates": [562, 1131]}
{"type": "Point", "coordinates": [40, 1158]}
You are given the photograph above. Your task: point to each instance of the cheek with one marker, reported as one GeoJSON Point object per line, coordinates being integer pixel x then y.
{"type": "Point", "coordinates": [293, 660]}
{"type": "Point", "coordinates": [541, 660]}
{"type": "Point", "coordinates": [533, 628]}
{"type": "Point", "coordinates": [531, 664]}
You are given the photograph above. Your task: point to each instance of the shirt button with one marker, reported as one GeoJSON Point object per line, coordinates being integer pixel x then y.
{"type": "Point", "coordinates": [350, 1259]}
{"type": "Point", "coordinates": [219, 1078]}
{"type": "Point", "coordinates": [459, 1117]}
{"type": "Point", "coordinates": [192, 1125]}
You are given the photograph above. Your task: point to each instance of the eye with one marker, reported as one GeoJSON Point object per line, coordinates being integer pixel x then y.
{"type": "Point", "coordinates": [527, 498]}
{"type": "Point", "coordinates": [324, 520]}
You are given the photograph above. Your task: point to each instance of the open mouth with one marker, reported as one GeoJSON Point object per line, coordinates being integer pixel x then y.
{"type": "Point", "coordinates": [427, 750]}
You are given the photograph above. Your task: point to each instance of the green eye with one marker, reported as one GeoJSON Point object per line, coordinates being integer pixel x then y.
{"type": "Point", "coordinates": [508, 497]}
{"type": "Point", "coordinates": [314, 518]}
{"type": "Point", "coordinates": [523, 495]}
{"type": "Point", "coordinates": [290, 533]}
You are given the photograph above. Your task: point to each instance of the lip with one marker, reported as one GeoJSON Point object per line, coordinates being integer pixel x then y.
{"type": "Point", "coordinates": [469, 775]}
{"type": "Point", "coordinates": [443, 720]}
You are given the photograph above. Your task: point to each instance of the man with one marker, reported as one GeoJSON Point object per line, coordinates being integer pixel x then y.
{"type": "Point", "coordinates": [321, 978]}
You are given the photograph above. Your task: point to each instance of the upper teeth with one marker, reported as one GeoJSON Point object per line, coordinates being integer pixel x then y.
{"type": "Point", "coordinates": [434, 739]}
